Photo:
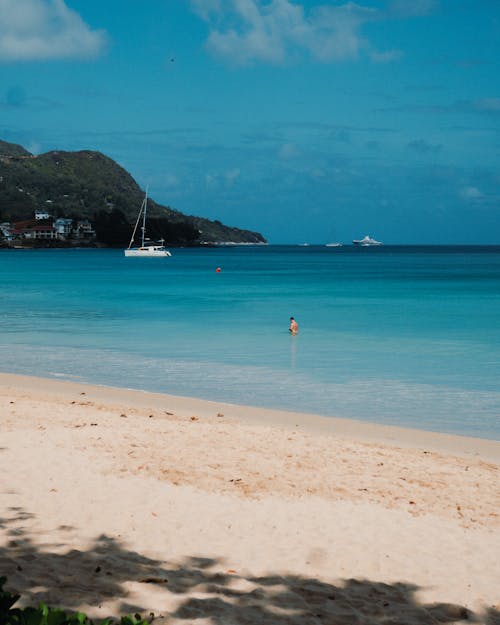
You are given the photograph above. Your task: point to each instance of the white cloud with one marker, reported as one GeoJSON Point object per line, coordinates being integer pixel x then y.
{"type": "Point", "coordinates": [45, 29]}
{"type": "Point", "coordinates": [471, 193]}
{"type": "Point", "coordinates": [223, 179]}
{"type": "Point", "coordinates": [288, 151]}
{"type": "Point", "coordinates": [210, 180]}
{"type": "Point", "coordinates": [248, 31]}
{"type": "Point", "coordinates": [488, 104]}
{"type": "Point", "coordinates": [231, 175]}
{"type": "Point", "coordinates": [318, 173]}
{"type": "Point", "coordinates": [205, 8]}
{"type": "Point", "coordinates": [171, 180]}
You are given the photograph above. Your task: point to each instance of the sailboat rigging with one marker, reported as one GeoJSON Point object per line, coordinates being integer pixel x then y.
{"type": "Point", "coordinates": [145, 250]}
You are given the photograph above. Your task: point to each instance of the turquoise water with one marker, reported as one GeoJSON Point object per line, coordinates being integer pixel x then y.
{"type": "Point", "coordinates": [397, 335]}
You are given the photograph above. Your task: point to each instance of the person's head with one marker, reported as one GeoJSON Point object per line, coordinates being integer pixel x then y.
{"type": "Point", "coordinates": [292, 319]}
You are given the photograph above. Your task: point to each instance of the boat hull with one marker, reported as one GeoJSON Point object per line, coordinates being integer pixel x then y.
{"type": "Point", "coordinates": [147, 252]}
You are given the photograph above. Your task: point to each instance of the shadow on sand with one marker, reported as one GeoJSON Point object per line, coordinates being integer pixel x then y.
{"type": "Point", "coordinates": [204, 588]}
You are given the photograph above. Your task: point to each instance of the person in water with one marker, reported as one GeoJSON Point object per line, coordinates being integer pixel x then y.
{"type": "Point", "coordinates": [294, 326]}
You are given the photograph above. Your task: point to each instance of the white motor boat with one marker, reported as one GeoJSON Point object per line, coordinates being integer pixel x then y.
{"type": "Point", "coordinates": [366, 242]}
{"type": "Point", "coordinates": [145, 250]}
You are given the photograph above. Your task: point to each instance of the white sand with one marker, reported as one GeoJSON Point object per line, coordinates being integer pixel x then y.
{"type": "Point", "coordinates": [115, 501]}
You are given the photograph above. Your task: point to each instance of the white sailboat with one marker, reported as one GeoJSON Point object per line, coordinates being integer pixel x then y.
{"type": "Point", "coordinates": [145, 250]}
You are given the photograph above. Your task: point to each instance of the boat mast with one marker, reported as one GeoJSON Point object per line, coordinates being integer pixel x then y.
{"type": "Point", "coordinates": [144, 217]}
{"type": "Point", "coordinates": [143, 207]}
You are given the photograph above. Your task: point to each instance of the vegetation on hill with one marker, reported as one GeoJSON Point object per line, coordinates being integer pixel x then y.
{"type": "Point", "coordinates": [12, 149]}
{"type": "Point", "coordinates": [90, 185]}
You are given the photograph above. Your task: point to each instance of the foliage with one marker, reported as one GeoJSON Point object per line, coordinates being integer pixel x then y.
{"type": "Point", "coordinates": [170, 231]}
{"type": "Point", "coordinates": [43, 615]}
{"type": "Point", "coordinates": [12, 149]}
{"type": "Point", "coordinates": [112, 228]}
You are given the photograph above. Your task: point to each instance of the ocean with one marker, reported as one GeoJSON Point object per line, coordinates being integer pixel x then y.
{"type": "Point", "coordinates": [398, 335]}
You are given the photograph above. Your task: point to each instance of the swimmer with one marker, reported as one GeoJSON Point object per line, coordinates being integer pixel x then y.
{"type": "Point", "coordinates": [294, 326]}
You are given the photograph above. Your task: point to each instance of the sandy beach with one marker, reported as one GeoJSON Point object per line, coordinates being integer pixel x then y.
{"type": "Point", "coordinates": [115, 501]}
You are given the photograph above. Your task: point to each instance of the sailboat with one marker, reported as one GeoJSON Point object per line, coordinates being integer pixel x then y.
{"type": "Point", "coordinates": [145, 251]}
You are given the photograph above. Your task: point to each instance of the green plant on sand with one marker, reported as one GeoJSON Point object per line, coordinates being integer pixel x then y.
{"type": "Point", "coordinates": [43, 615]}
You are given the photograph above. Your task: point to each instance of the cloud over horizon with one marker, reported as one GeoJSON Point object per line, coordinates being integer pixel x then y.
{"type": "Point", "coordinates": [34, 30]}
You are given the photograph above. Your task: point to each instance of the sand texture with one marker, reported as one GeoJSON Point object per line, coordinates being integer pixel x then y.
{"type": "Point", "coordinates": [115, 501]}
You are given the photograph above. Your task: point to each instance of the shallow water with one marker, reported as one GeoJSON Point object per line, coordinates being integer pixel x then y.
{"type": "Point", "coordinates": [398, 335]}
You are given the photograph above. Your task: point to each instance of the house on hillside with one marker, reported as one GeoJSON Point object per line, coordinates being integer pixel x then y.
{"type": "Point", "coordinates": [42, 232]}
{"type": "Point", "coordinates": [32, 229]}
{"type": "Point", "coordinates": [84, 229]}
{"type": "Point", "coordinates": [6, 231]}
{"type": "Point", "coordinates": [47, 229]}
{"type": "Point", "coordinates": [63, 227]}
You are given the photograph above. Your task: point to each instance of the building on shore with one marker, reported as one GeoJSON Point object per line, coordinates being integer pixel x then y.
{"type": "Point", "coordinates": [47, 229]}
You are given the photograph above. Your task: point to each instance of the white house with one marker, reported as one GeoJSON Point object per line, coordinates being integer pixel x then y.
{"type": "Point", "coordinates": [84, 229]}
{"type": "Point", "coordinates": [40, 232]}
{"type": "Point", "coordinates": [6, 230]}
{"type": "Point", "coordinates": [63, 227]}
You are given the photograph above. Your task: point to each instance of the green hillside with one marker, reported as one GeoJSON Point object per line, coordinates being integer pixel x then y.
{"type": "Point", "coordinates": [90, 185]}
{"type": "Point", "coordinates": [12, 149]}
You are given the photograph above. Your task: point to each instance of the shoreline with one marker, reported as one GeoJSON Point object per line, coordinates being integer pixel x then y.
{"type": "Point", "coordinates": [487, 449]}
{"type": "Point", "coordinates": [116, 501]}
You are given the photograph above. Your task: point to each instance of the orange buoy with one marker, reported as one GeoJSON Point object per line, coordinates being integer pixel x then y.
{"type": "Point", "coordinates": [217, 270]}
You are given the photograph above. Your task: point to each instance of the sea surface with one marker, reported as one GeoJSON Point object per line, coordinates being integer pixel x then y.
{"type": "Point", "coordinates": [406, 336]}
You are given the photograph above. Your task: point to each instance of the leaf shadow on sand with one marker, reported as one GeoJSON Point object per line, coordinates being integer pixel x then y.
{"type": "Point", "coordinates": [205, 588]}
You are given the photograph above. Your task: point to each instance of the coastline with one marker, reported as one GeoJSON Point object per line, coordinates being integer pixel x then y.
{"type": "Point", "coordinates": [487, 449]}
{"type": "Point", "coordinates": [116, 501]}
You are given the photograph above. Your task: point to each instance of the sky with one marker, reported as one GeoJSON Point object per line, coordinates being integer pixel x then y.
{"type": "Point", "coordinates": [308, 121]}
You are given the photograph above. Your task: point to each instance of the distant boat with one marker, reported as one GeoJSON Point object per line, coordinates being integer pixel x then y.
{"type": "Point", "coordinates": [366, 242]}
{"type": "Point", "coordinates": [145, 250]}
{"type": "Point", "coordinates": [333, 244]}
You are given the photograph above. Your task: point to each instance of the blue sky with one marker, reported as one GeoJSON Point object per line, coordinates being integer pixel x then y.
{"type": "Point", "coordinates": [306, 121]}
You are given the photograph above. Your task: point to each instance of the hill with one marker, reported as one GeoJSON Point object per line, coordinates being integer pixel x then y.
{"type": "Point", "coordinates": [12, 149]}
{"type": "Point", "coordinates": [90, 185]}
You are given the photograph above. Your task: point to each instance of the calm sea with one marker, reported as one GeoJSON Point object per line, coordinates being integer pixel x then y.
{"type": "Point", "coordinates": [396, 335]}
